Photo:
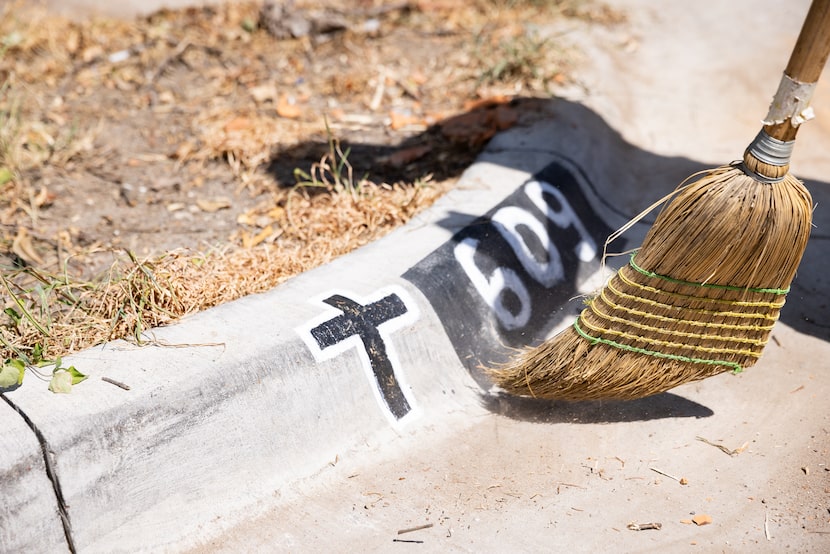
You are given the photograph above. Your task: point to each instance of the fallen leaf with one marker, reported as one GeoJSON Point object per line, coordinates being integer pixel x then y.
{"type": "Point", "coordinates": [702, 519]}
{"type": "Point", "coordinates": [263, 93]}
{"type": "Point", "coordinates": [11, 373]}
{"type": "Point", "coordinates": [184, 150]}
{"type": "Point", "coordinates": [505, 117]}
{"type": "Point", "coordinates": [237, 124]}
{"type": "Point", "coordinates": [261, 236]}
{"type": "Point", "coordinates": [25, 250]}
{"type": "Point", "coordinates": [91, 53]}
{"type": "Point", "coordinates": [276, 212]}
{"type": "Point", "coordinates": [645, 526]}
{"type": "Point", "coordinates": [61, 382]}
{"type": "Point", "coordinates": [44, 198]}
{"type": "Point", "coordinates": [398, 120]}
{"type": "Point", "coordinates": [288, 108]}
{"type": "Point", "coordinates": [6, 175]}
{"type": "Point", "coordinates": [405, 156]}
{"type": "Point", "coordinates": [481, 103]}
{"type": "Point", "coordinates": [213, 205]}
{"type": "Point", "coordinates": [167, 97]}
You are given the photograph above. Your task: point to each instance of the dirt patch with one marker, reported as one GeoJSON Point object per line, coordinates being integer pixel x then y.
{"type": "Point", "coordinates": [158, 166]}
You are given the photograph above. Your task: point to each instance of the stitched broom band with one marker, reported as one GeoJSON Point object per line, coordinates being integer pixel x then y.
{"type": "Point", "coordinates": [640, 323]}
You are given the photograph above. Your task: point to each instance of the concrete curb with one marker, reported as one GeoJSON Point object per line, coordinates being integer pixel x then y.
{"type": "Point", "coordinates": [246, 399]}
{"type": "Point", "coordinates": [251, 401]}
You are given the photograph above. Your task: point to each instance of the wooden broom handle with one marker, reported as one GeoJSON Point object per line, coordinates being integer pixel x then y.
{"type": "Point", "coordinates": [807, 59]}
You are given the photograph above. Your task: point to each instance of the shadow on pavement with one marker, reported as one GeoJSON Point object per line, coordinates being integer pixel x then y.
{"type": "Point", "coordinates": [660, 406]}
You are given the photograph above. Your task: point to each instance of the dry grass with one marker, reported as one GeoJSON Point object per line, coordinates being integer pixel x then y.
{"type": "Point", "coordinates": [215, 106]}
{"type": "Point", "coordinates": [56, 314]}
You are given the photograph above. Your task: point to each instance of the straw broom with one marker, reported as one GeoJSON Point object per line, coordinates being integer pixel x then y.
{"type": "Point", "coordinates": [701, 295]}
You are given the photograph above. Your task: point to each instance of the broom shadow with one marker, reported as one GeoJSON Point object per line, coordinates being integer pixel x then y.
{"type": "Point", "coordinates": [535, 410]}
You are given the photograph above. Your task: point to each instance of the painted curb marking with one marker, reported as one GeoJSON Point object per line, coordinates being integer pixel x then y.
{"type": "Point", "coordinates": [508, 278]}
{"type": "Point", "coordinates": [367, 324]}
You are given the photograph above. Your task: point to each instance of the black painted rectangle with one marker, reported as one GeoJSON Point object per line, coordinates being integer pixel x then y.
{"type": "Point", "coordinates": [497, 286]}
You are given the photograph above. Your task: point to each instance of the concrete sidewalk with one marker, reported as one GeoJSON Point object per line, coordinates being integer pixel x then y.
{"type": "Point", "coordinates": [349, 404]}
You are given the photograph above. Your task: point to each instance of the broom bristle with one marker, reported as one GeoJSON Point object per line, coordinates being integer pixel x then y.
{"type": "Point", "coordinates": [699, 297]}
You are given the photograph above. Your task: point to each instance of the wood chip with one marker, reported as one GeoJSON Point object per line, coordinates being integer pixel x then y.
{"type": "Point", "coordinates": [702, 519]}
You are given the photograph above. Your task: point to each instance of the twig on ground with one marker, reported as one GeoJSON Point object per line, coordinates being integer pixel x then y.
{"type": "Point", "coordinates": [723, 448]}
{"type": "Point", "coordinates": [118, 384]}
{"type": "Point", "coordinates": [645, 526]}
{"type": "Point", "coordinates": [418, 528]}
{"type": "Point", "coordinates": [681, 480]}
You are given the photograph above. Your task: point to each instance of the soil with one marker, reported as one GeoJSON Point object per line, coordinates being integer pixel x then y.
{"type": "Point", "coordinates": [278, 135]}
{"type": "Point", "coordinates": [187, 127]}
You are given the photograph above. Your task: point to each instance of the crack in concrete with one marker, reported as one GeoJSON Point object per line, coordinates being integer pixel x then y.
{"type": "Point", "coordinates": [51, 473]}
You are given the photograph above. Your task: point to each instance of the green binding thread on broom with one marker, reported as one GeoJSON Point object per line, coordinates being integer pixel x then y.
{"type": "Point", "coordinates": [707, 285]}
{"type": "Point", "coordinates": [736, 368]}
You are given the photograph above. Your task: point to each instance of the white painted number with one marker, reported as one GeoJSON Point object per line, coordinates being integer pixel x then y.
{"type": "Point", "coordinates": [508, 220]}
{"type": "Point", "coordinates": [563, 218]}
{"type": "Point", "coordinates": [548, 271]}
{"type": "Point", "coordinates": [492, 288]}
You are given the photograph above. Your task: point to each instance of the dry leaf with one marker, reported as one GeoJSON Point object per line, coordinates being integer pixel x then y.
{"type": "Point", "coordinates": [248, 218]}
{"type": "Point", "coordinates": [43, 198]}
{"type": "Point", "coordinates": [263, 93]}
{"type": "Point", "coordinates": [482, 103]}
{"type": "Point", "coordinates": [276, 212]}
{"type": "Point", "coordinates": [400, 120]}
{"type": "Point", "coordinates": [25, 250]}
{"type": "Point", "coordinates": [237, 124]}
{"type": "Point", "coordinates": [505, 117]}
{"type": "Point", "coordinates": [702, 519]}
{"type": "Point", "coordinates": [288, 108]}
{"type": "Point", "coordinates": [167, 97]}
{"type": "Point", "coordinates": [91, 53]}
{"type": "Point", "coordinates": [406, 156]}
{"type": "Point", "coordinates": [249, 242]}
{"type": "Point", "coordinates": [184, 150]}
{"type": "Point", "coordinates": [214, 204]}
